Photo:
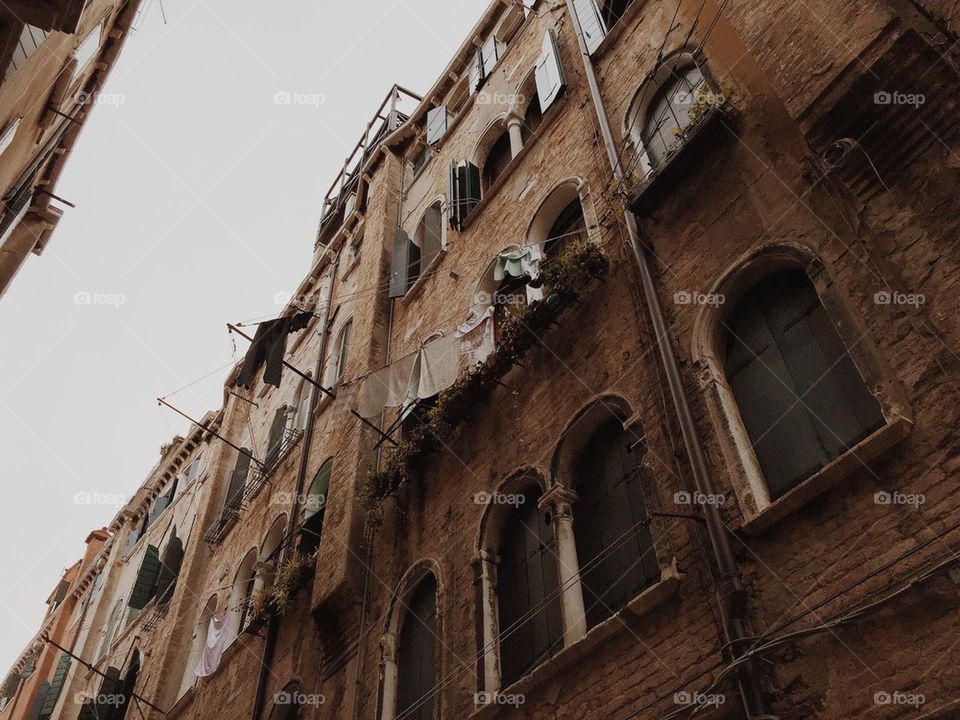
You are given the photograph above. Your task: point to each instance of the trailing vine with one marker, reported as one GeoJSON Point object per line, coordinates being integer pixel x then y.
{"type": "Point", "coordinates": [563, 278]}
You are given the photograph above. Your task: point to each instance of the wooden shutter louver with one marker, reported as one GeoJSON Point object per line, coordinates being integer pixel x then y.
{"type": "Point", "coordinates": [238, 481]}
{"type": "Point", "coordinates": [613, 540]}
{"type": "Point", "coordinates": [400, 261]}
{"type": "Point", "coordinates": [437, 121]}
{"type": "Point", "coordinates": [169, 570]}
{"type": "Point", "coordinates": [39, 700]}
{"type": "Point", "coordinates": [591, 23]}
{"type": "Point", "coordinates": [56, 685]}
{"type": "Point", "coordinates": [801, 398]}
{"type": "Point", "coordinates": [528, 592]}
{"type": "Point", "coordinates": [145, 586]}
{"type": "Point", "coordinates": [549, 72]}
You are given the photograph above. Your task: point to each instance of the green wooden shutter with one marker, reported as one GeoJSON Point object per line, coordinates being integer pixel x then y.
{"type": "Point", "coordinates": [39, 700]}
{"type": "Point", "coordinates": [276, 435]}
{"type": "Point", "coordinates": [169, 570]}
{"type": "Point", "coordinates": [105, 702]}
{"type": "Point", "coordinates": [56, 685]}
{"type": "Point", "coordinates": [238, 481]}
{"type": "Point", "coordinates": [432, 241]}
{"type": "Point", "coordinates": [801, 398]}
{"type": "Point", "coordinates": [145, 587]}
{"type": "Point", "coordinates": [453, 196]}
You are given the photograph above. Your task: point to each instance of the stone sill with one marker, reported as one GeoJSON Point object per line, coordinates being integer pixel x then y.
{"type": "Point", "coordinates": [642, 604]}
{"type": "Point", "coordinates": [183, 702]}
{"type": "Point", "coordinates": [856, 457]}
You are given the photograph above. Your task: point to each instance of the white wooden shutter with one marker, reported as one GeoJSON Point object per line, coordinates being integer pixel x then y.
{"type": "Point", "coordinates": [476, 72]}
{"type": "Point", "coordinates": [8, 133]}
{"type": "Point", "coordinates": [489, 54]}
{"type": "Point", "coordinates": [549, 73]}
{"type": "Point", "coordinates": [594, 29]}
{"type": "Point", "coordinates": [437, 120]}
{"type": "Point", "coordinates": [399, 264]}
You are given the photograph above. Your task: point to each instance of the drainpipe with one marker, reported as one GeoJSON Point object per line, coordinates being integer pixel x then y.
{"type": "Point", "coordinates": [732, 594]}
{"type": "Point", "coordinates": [273, 627]}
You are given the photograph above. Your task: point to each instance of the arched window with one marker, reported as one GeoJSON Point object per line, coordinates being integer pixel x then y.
{"type": "Point", "coordinates": [668, 115]}
{"type": "Point", "coordinates": [313, 510]}
{"type": "Point", "coordinates": [197, 642]}
{"type": "Point", "coordinates": [614, 546]}
{"type": "Point", "coordinates": [275, 439]}
{"type": "Point", "coordinates": [498, 159]}
{"type": "Point", "coordinates": [800, 396]}
{"type": "Point", "coordinates": [127, 687]}
{"type": "Point", "coordinates": [532, 116]}
{"type": "Point", "coordinates": [569, 227]}
{"type": "Point", "coordinates": [337, 362]}
{"type": "Point", "coordinates": [417, 653]}
{"type": "Point", "coordinates": [301, 407]}
{"type": "Point", "coordinates": [287, 703]}
{"type": "Point", "coordinates": [170, 561]}
{"type": "Point", "coordinates": [528, 591]}
{"type": "Point", "coordinates": [233, 501]}
{"type": "Point", "coordinates": [269, 552]}
{"type": "Point", "coordinates": [427, 242]}
{"type": "Point", "coordinates": [241, 595]}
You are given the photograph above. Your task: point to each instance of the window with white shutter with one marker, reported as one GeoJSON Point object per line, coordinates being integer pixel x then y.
{"type": "Point", "coordinates": [549, 72]}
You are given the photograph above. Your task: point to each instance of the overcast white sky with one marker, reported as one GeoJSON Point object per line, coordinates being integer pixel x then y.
{"type": "Point", "coordinates": [197, 201]}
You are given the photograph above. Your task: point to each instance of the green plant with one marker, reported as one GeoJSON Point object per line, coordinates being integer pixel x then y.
{"type": "Point", "coordinates": [564, 277]}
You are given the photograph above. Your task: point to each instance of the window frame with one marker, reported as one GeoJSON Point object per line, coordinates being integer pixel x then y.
{"type": "Point", "coordinates": [758, 510]}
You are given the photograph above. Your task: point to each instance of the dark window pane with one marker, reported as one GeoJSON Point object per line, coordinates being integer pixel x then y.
{"type": "Point", "coordinates": [528, 592]}
{"type": "Point", "coordinates": [614, 546]}
{"type": "Point", "coordinates": [417, 653]}
{"type": "Point", "coordinates": [802, 399]}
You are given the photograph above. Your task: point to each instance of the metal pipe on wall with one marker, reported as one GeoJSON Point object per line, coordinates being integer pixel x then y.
{"type": "Point", "coordinates": [273, 626]}
{"type": "Point", "coordinates": [732, 594]}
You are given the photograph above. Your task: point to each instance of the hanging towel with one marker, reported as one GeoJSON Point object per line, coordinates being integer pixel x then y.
{"type": "Point", "coordinates": [213, 648]}
{"type": "Point", "coordinates": [438, 365]}
{"type": "Point", "coordinates": [476, 335]}
{"type": "Point", "coordinates": [387, 387]}
{"type": "Point", "coordinates": [268, 347]}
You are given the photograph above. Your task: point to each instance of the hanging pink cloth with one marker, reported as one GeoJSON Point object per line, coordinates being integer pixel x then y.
{"type": "Point", "coordinates": [212, 648]}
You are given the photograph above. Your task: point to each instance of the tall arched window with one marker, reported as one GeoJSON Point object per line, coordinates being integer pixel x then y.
{"type": "Point", "coordinates": [417, 653]}
{"type": "Point", "coordinates": [614, 546]}
{"type": "Point", "coordinates": [197, 642]}
{"type": "Point", "coordinates": [569, 226]}
{"type": "Point", "coordinates": [801, 398]}
{"type": "Point", "coordinates": [241, 594]}
{"type": "Point", "coordinates": [531, 628]}
{"type": "Point", "coordinates": [498, 158]}
{"type": "Point", "coordinates": [668, 115]}
{"type": "Point", "coordinates": [337, 362]}
{"type": "Point", "coordinates": [170, 561]}
{"type": "Point", "coordinates": [301, 407]}
{"type": "Point", "coordinates": [111, 628]}
{"type": "Point", "coordinates": [313, 510]}
{"type": "Point", "coordinates": [269, 554]}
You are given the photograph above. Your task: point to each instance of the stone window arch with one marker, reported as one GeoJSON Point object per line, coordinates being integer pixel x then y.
{"type": "Point", "coordinates": [197, 642]}
{"type": "Point", "coordinates": [269, 555]}
{"type": "Point", "coordinates": [411, 659]}
{"type": "Point", "coordinates": [564, 215]}
{"type": "Point", "coordinates": [241, 595]}
{"type": "Point", "coordinates": [784, 348]}
{"type": "Point", "coordinates": [314, 509]}
{"type": "Point", "coordinates": [660, 111]}
{"type": "Point", "coordinates": [599, 473]}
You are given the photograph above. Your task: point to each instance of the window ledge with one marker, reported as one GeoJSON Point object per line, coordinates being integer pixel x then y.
{"type": "Point", "coordinates": [183, 702]}
{"type": "Point", "coordinates": [642, 192]}
{"type": "Point", "coordinates": [856, 457]}
{"type": "Point", "coordinates": [648, 600]}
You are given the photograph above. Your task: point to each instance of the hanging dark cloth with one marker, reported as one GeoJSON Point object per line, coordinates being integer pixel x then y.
{"type": "Point", "coordinates": [269, 346]}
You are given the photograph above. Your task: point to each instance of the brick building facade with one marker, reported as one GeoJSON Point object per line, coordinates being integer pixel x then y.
{"type": "Point", "coordinates": [693, 452]}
